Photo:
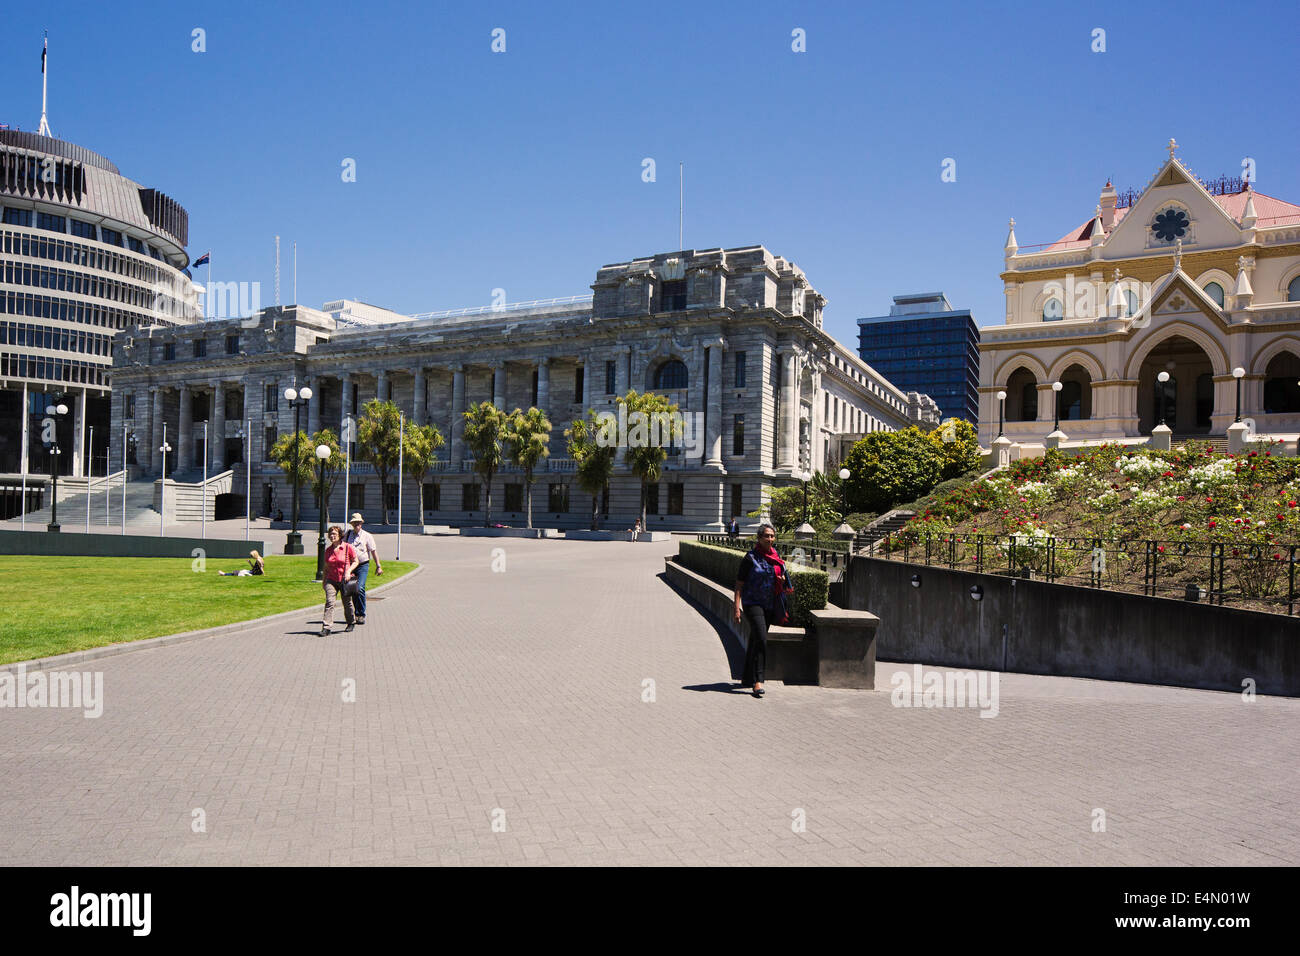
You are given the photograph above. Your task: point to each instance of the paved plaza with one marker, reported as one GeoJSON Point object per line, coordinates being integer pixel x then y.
{"type": "Point", "coordinates": [500, 718]}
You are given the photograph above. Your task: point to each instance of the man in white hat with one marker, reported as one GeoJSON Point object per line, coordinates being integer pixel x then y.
{"type": "Point", "coordinates": [364, 542]}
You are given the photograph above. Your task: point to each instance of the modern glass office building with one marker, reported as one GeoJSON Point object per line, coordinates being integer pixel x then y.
{"type": "Point", "coordinates": [927, 346]}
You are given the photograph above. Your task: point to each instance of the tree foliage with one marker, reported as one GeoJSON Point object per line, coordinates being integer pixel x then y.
{"type": "Point", "coordinates": [645, 456]}
{"type": "Point", "coordinates": [378, 437]}
{"type": "Point", "coordinates": [958, 446]}
{"type": "Point", "coordinates": [283, 452]}
{"type": "Point", "coordinates": [528, 439]}
{"type": "Point", "coordinates": [487, 429]}
{"type": "Point", "coordinates": [419, 452]}
{"type": "Point", "coordinates": [889, 468]}
{"type": "Point", "coordinates": [594, 459]}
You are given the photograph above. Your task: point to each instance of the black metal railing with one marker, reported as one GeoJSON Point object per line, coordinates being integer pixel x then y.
{"type": "Point", "coordinates": [827, 554]}
{"type": "Point", "coordinates": [1259, 576]}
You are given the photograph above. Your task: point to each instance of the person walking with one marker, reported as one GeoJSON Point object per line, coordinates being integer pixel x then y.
{"type": "Point", "coordinates": [762, 587]}
{"type": "Point", "coordinates": [340, 563]}
{"type": "Point", "coordinates": [367, 552]}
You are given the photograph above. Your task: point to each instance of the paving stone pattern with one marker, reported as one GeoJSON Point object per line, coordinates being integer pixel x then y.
{"type": "Point", "coordinates": [521, 692]}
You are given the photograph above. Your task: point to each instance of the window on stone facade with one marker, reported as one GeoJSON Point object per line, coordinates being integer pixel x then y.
{"type": "Point", "coordinates": [169, 351]}
{"type": "Point", "coordinates": [128, 406]}
{"type": "Point", "coordinates": [232, 344]}
{"type": "Point", "coordinates": [1215, 292]}
{"type": "Point", "coordinates": [610, 378]}
{"type": "Point", "coordinates": [676, 497]}
{"type": "Point", "coordinates": [234, 405]}
{"type": "Point", "coordinates": [738, 435]}
{"type": "Point", "coordinates": [269, 437]}
{"type": "Point", "coordinates": [1053, 310]}
{"type": "Point", "coordinates": [469, 495]}
{"type": "Point", "coordinates": [533, 401]}
{"type": "Point", "coordinates": [737, 501]}
{"type": "Point", "coordinates": [1293, 290]}
{"type": "Point", "coordinates": [200, 348]}
{"type": "Point", "coordinates": [577, 385]}
{"type": "Point", "coordinates": [672, 374]}
{"type": "Point", "coordinates": [430, 490]}
{"type": "Point", "coordinates": [557, 498]}
{"type": "Point", "coordinates": [604, 501]}
{"type": "Point", "coordinates": [357, 496]}
{"type": "Point", "coordinates": [272, 401]}
{"type": "Point", "coordinates": [740, 370]}
{"type": "Point", "coordinates": [514, 497]}
{"type": "Point", "coordinates": [390, 496]}
{"type": "Point", "coordinates": [672, 295]}
{"type": "Point", "coordinates": [652, 499]}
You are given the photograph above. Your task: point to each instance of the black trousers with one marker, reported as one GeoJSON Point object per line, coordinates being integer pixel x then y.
{"type": "Point", "coordinates": [756, 654]}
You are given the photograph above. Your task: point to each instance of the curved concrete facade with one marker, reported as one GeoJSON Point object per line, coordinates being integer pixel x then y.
{"type": "Point", "coordinates": [84, 253]}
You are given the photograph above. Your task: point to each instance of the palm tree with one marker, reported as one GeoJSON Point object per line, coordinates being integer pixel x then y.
{"type": "Point", "coordinates": [378, 437]}
{"type": "Point", "coordinates": [486, 429]}
{"type": "Point", "coordinates": [418, 455]}
{"type": "Point", "coordinates": [528, 438]}
{"type": "Point", "coordinates": [644, 456]}
{"type": "Point", "coordinates": [595, 460]}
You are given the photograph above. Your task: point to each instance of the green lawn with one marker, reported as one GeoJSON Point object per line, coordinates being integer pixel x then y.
{"type": "Point", "coordinates": [58, 604]}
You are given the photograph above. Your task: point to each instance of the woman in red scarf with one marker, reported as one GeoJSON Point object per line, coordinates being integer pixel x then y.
{"type": "Point", "coordinates": [762, 584]}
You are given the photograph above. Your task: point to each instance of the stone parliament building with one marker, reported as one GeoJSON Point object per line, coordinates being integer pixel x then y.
{"type": "Point", "coordinates": [734, 337]}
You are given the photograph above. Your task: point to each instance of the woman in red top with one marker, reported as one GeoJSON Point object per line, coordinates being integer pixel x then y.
{"type": "Point", "coordinates": [341, 561]}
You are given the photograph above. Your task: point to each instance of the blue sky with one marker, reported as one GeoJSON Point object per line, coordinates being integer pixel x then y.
{"type": "Point", "coordinates": [522, 170]}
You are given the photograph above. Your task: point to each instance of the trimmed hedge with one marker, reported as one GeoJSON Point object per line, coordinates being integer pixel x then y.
{"type": "Point", "coordinates": [718, 564]}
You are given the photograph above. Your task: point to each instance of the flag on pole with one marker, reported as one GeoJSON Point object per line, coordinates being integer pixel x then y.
{"type": "Point", "coordinates": [44, 49]}
{"type": "Point", "coordinates": [202, 260]}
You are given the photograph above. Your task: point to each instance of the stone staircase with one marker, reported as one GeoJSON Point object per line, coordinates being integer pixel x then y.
{"type": "Point", "coordinates": [1220, 445]}
{"type": "Point", "coordinates": [888, 523]}
{"type": "Point", "coordinates": [187, 495]}
{"type": "Point", "coordinates": [73, 493]}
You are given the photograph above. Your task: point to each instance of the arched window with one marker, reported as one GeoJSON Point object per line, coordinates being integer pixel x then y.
{"type": "Point", "coordinates": [1022, 396]}
{"type": "Point", "coordinates": [1215, 292]}
{"type": "Point", "coordinates": [1130, 303]}
{"type": "Point", "coordinates": [1282, 384]}
{"type": "Point", "coordinates": [1293, 290]}
{"type": "Point", "coordinates": [672, 374]}
{"type": "Point", "coordinates": [1053, 310]}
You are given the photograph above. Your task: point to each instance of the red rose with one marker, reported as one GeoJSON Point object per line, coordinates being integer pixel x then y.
{"type": "Point", "coordinates": [1213, 523]}
{"type": "Point", "coordinates": [1161, 549]}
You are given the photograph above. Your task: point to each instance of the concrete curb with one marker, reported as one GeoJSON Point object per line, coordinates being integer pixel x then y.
{"type": "Point", "coordinates": [112, 650]}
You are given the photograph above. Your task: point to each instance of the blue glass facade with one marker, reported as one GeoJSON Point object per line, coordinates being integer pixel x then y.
{"type": "Point", "coordinates": [926, 346]}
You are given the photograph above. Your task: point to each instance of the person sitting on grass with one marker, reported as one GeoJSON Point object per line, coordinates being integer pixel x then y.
{"type": "Point", "coordinates": [256, 566]}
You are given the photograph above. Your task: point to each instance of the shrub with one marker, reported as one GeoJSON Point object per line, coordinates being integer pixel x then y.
{"type": "Point", "coordinates": [886, 468]}
{"type": "Point", "coordinates": [719, 564]}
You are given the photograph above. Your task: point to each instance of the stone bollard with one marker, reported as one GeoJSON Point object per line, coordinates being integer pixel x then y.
{"type": "Point", "coordinates": [846, 647]}
{"type": "Point", "coordinates": [1161, 438]}
{"type": "Point", "coordinates": [1237, 437]}
{"type": "Point", "coordinates": [1055, 439]}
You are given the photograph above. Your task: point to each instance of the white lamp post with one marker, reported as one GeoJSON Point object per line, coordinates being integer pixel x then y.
{"type": "Point", "coordinates": [845, 530]}
{"type": "Point", "coordinates": [1238, 373]}
{"type": "Point", "coordinates": [322, 455]}
{"type": "Point", "coordinates": [1162, 398]}
{"type": "Point", "coordinates": [162, 487]}
{"type": "Point", "coordinates": [1002, 402]}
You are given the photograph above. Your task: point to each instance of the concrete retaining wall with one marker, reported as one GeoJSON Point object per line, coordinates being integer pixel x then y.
{"type": "Point", "coordinates": [121, 545]}
{"type": "Point", "coordinates": [1036, 627]}
{"type": "Point", "coordinates": [509, 533]}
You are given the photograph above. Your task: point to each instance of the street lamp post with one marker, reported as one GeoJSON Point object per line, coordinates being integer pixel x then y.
{"type": "Point", "coordinates": [55, 412]}
{"type": "Point", "coordinates": [162, 486]}
{"type": "Point", "coordinates": [844, 491]}
{"type": "Point", "coordinates": [203, 512]}
{"type": "Point", "coordinates": [128, 438]}
{"type": "Point", "coordinates": [1002, 402]}
{"type": "Point", "coordinates": [1161, 396]}
{"type": "Point", "coordinates": [322, 455]}
{"type": "Point", "coordinates": [1056, 403]}
{"type": "Point", "coordinates": [1238, 373]}
{"type": "Point", "coordinates": [297, 398]}
{"type": "Point", "coordinates": [90, 473]}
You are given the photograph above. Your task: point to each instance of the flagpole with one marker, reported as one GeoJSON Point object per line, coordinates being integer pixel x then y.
{"type": "Point", "coordinates": [45, 123]}
{"type": "Point", "coordinates": [209, 295]}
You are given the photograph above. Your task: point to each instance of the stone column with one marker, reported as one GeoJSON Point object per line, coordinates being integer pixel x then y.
{"type": "Point", "coordinates": [217, 430]}
{"type": "Point", "coordinates": [544, 385]}
{"type": "Point", "coordinates": [314, 405]}
{"type": "Point", "coordinates": [345, 401]}
{"type": "Point", "coordinates": [623, 371]}
{"type": "Point", "coordinates": [816, 447]}
{"type": "Point", "coordinates": [713, 410]}
{"type": "Point", "coordinates": [419, 413]}
{"type": "Point", "coordinates": [586, 385]}
{"type": "Point", "coordinates": [26, 436]}
{"type": "Point", "coordinates": [381, 385]}
{"type": "Point", "coordinates": [79, 431]}
{"type": "Point", "coordinates": [184, 438]}
{"type": "Point", "coordinates": [789, 413]}
{"type": "Point", "coordinates": [457, 417]}
{"type": "Point", "coordinates": [499, 385]}
{"type": "Point", "coordinates": [155, 431]}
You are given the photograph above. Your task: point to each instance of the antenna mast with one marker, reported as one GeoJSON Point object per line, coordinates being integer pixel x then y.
{"type": "Point", "coordinates": [277, 272]}
{"type": "Point", "coordinates": [45, 123]}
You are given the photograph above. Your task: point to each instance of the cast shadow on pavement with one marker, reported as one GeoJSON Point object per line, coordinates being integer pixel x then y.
{"type": "Point", "coordinates": [731, 645]}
